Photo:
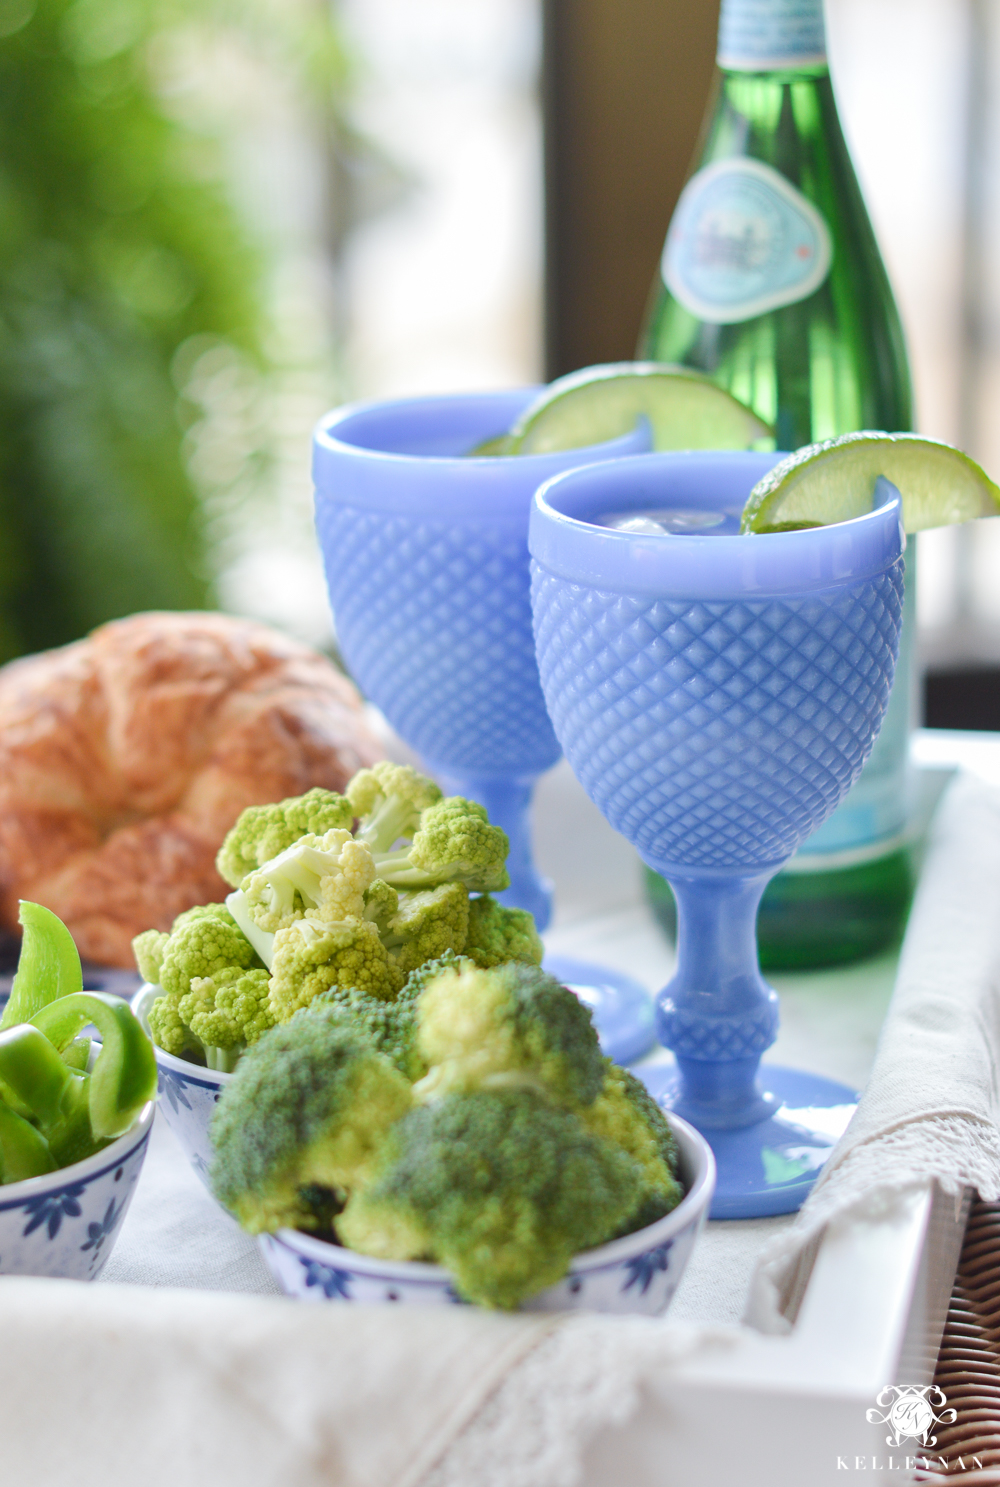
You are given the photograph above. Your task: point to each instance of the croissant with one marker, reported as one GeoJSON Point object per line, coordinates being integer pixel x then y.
{"type": "Point", "coordinates": [127, 756]}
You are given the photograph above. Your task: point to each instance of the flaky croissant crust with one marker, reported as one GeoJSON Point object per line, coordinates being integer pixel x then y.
{"type": "Point", "coordinates": [126, 757]}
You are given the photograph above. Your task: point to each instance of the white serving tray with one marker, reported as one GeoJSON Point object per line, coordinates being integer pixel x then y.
{"type": "Point", "coordinates": [792, 1411]}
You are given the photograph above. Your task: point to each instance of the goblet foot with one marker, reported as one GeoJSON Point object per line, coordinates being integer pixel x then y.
{"type": "Point", "coordinates": [768, 1167]}
{"type": "Point", "coordinates": [622, 1009]}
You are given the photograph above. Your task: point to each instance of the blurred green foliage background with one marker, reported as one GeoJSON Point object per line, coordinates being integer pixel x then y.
{"type": "Point", "coordinates": [120, 246]}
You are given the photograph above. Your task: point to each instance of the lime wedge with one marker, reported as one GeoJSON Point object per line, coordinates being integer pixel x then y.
{"type": "Point", "coordinates": [686, 410]}
{"type": "Point", "coordinates": [835, 481]}
{"type": "Point", "coordinates": [497, 445]}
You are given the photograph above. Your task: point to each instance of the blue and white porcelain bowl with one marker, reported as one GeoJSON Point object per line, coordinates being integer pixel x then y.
{"type": "Point", "coordinates": [188, 1093]}
{"type": "Point", "coordinates": [65, 1223]}
{"type": "Point", "coordinates": [639, 1273]}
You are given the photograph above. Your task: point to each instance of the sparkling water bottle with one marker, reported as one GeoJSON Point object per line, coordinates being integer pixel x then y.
{"type": "Point", "coordinates": [771, 281]}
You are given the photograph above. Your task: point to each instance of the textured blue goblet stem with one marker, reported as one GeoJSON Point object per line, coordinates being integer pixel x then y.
{"type": "Point", "coordinates": [508, 804]}
{"type": "Point", "coordinates": [718, 1014]}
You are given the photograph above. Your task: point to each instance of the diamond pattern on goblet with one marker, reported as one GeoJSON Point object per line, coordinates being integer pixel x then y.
{"type": "Point", "coordinates": [717, 735]}
{"type": "Point", "coordinates": [699, 1035]}
{"type": "Point", "coordinates": [435, 623]}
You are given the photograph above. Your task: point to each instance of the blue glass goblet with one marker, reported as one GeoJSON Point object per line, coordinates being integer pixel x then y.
{"type": "Point", "coordinates": [426, 557]}
{"type": "Point", "coordinates": [717, 695]}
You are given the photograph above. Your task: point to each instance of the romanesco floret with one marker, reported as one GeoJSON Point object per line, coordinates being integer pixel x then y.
{"type": "Point", "coordinates": [388, 799]}
{"type": "Point", "coordinates": [626, 1114]}
{"type": "Point", "coordinates": [512, 1025]}
{"type": "Point", "coordinates": [426, 924]}
{"type": "Point", "coordinates": [324, 877]}
{"type": "Point", "coordinates": [310, 958]}
{"type": "Point", "coordinates": [500, 1185]}
{"type": "Point", "coordinates": [497, 934]}
{"type": "Point", "coordinates": [305, 1112]}
{"type": "Point", "coordinates": [454, 843]}
{"type": "Point", "coordinates": [227, 1012]}
{"type": "Point", "coordinates": [262, 831]}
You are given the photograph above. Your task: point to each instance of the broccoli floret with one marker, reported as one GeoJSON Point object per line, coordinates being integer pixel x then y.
{"type": "Point", "coordinates": [308, 1107]}
{"type": "Point", "coordinates": [500, 1186]}
{"type": "Point", "coordinates": [454, 843]}
{"type": "Point", "coordinates": [497, 934]}
{"type": "Point", "coordinates": [513, 1025]}
{"type": "Point", "coordinates": [227, 1012]}
{"type": "Point", "coordinates": [427, 924]}
{"type": "Point", "coordinates": [389, 799]}
{"type": "Point", "coordinates": [391, 1026]}
{"type": "Point", "coordinates": [263, 831]}
{"type": "Point", "coordinates": [310, 958]}
{"type": "Point", "coordinates": [626, 1114]}
{"type": "Point", "coordinates": [325, 877]}
{"type": "Point", "coordinates": [148, 950]}
{"type": "Point", "coordinates": [418, 981]}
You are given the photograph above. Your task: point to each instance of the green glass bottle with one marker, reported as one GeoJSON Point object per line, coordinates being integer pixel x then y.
{"type": "Point", "coordinates": [772, 283]}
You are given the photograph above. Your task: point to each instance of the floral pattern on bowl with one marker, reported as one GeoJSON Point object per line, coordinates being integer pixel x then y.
{"type": "Point", "coordinates": [639, 1273]}
{"type": "Point", "coordinates": [188, 1093]}
{"type": "Point", "coordinates": [65, 1223]}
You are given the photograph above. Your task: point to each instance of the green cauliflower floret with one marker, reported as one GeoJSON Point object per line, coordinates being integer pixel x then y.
{"type": "Point", "coordinates": [310, 958]}
{"type": "Point", "coordinates": [263, 831]}
{"type": "Point", "coordinates": [426, 924]}
{"type": "Point", "coordinates": [305, 1113]}
{"type": "Point", "coordinates": [453, 843]}
{"type": "Point", "coordinates": [512, 1025]}
{"type": "Point", "coordinates": [171, 1033]}
{"type": "Point", "coordinates": [324, 877]}
{"type": "Point", "coordinates": [381, 904]}
{"type": "Point", "coordinates": [149, 947]}
{"type": "Point", "coordinates": [202, 942]}
{"type": "Point", "coordinates": [500, 1186]}
{"type": "Point", "coordinates": [626, 1114]}
{"type": "Point", "coordinates": [497, 934]}
{"type": "Point", "coordinates": [389, 799]}
{"type": "Point", "coordinates": [148, 950]}
{"type": "Point", "coordinates": [227, 1012]}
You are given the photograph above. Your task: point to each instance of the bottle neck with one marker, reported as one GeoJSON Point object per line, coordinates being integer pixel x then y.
{"type": "Point", "coordinates": [771, 35]}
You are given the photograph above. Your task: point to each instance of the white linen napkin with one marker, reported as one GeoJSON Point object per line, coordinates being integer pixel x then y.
{"type": "Point", "coordinates": [931, 1108]}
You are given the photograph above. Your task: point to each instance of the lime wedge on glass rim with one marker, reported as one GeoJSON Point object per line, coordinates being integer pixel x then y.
{"type": "Point", "coordinates": [686, 410]}
{"type": "Point", "coordinates": [835, 481]}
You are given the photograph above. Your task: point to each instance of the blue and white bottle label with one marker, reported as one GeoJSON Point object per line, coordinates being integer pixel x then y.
{"type": "Point", "coordinates": [743, 241]}
{"type": "Point", "coordinates": [770, 35]}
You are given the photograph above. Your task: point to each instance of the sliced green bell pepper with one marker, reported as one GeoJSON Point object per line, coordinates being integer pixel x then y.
{"type": "Point", "coordinates": [48, 966]}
